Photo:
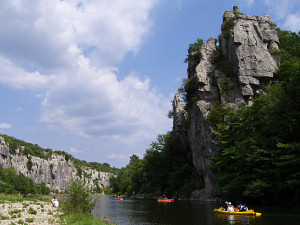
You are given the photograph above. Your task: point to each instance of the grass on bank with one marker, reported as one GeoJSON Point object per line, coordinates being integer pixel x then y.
{"type": "Point", "coordinates": [81, 219]}
{"type": "Point", "coordinates": [64, 219]}
{"type": "Point", "coordinates": [17, 198]}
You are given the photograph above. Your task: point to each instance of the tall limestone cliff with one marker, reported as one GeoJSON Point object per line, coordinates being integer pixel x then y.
{"type": "Point", "coordinates": [56, 172]}
{"type": "Point", "coordinates": [227, 75]}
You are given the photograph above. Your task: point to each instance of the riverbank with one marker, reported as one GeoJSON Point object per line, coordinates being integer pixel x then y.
{"type": "Point", "coordinates": [34, 210]}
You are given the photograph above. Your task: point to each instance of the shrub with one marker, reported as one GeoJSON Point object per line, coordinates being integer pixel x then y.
{"type": "Point", "coordinates": [79, 200]}
{"type": "Point", "coordinates": [194, 51]}
{"type": "Point", "coordinates": [29, 220]}
{"type": "Point", "coordinates": [227, 27]}
{"type": "Point", "coordinates": [32, 211]}
{"type": "Point", "coordinates": [4, 217]}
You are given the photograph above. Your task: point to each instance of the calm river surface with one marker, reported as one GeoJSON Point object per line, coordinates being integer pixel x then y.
{"type": "Point", "coordinates": [140, 211]}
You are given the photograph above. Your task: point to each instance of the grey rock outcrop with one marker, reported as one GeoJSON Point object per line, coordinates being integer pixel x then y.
{"type": "Point", "coordinates": [244, 47]}
{"type": "Point", "coordinates": [179, 114]}
{"type": "Point", "coordinates": [247, 49]}
{"type": "Point", "coordinates": [56, 172]}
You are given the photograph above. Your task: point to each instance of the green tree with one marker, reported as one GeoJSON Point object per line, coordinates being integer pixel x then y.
{"type": "Point", "coordinates": [79, 199]}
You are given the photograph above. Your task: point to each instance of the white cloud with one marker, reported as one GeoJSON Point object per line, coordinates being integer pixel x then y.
{"type": "Point", "coordinates": [68, 49]}
{"type": "Point", "coordinates": [16, 77]}
{"type": "Point", "coordinates": [49, 35]}
{"type": "Point", "coordinates": [280, 7]}
{"type": "Point", "coordinates": [287, 11]}
{"type": "Point", "coordinates": [292, 22]}
{"type": "Point", "coordinates": [95, 104]}
{"type": "Point", "coordinates": [118, 156]}
{"type": "Point", "coordinates": [5, 126]}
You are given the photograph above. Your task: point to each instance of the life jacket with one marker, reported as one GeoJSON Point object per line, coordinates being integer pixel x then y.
{"type": "Point", "coordinates": [230, 208]}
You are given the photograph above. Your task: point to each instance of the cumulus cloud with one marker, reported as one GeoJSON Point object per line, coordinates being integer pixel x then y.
{"type": "Point", "coordinates": [99, 105]}
{"type": "Point", "coordinates": [49, 35]}
{"type": "Point", "coordinates": [13, 76]}
{"type": "Point", "coordinates": [68, 51]}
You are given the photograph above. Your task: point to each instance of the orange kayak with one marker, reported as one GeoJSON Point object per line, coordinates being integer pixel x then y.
{"type": "Point", "coordinates": [165, 200]}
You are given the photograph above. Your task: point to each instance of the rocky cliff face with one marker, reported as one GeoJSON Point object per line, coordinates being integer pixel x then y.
{"type": "Point", "coordinates": [56, 172]}
{"type": "Point", "coordinates": [229, 74]}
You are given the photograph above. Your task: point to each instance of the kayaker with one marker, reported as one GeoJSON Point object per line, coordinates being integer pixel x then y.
{"type": "Point", "coordinates": [230, 207]}
{"type": "Point", "coordinates": [242, 208]}
{"type": "Point", "coordinates": [225, 206]}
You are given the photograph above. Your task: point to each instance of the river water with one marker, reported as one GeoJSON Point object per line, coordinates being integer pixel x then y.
{"type": "Point", "coordinates": [140, 211]}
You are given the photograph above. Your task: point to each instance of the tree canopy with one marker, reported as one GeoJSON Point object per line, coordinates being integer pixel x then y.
{"type": "Point", "coordinates": [166, 168]}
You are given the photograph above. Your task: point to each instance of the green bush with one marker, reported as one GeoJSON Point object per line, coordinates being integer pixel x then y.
{"type": "Point", "coordinates": [227, 27]}
{"type": "Point", "coordinates": [194, 51]}
{"type": "Point", "coordinates": [29, 220]}
{"type": "Point", "coordinates": [79, 200]}
{"type": "Point", "coordinates": [32, 211]}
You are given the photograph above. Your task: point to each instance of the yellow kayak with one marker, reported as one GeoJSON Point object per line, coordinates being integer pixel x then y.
{"type": "Point", "coordinates": [246, 213]}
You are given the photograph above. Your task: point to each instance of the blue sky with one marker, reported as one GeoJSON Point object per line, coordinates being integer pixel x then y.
{"type": "Point", "coordinates": [96, 78]}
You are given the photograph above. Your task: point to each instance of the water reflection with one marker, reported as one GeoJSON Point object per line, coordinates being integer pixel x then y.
{"type": "Point", "coordinates": [235, 219]}
{"type": "Point", "coordinates": [151, 212]}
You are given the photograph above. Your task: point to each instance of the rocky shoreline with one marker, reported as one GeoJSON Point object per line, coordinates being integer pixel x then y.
{"type": "Point", "coordinates": [28, 212]}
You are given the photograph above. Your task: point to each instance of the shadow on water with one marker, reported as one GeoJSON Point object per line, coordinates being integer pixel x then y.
{"type": "Point", "coordinates": [141, 211]}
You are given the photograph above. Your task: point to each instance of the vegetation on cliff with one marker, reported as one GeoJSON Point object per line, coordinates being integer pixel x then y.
{"type": "Point", "coordinates": [29, 149]}
{"type": "Point", "coordinates": [22, 183]}
{"type": "Point", "coordinates": [11, 183]}
{"type": "Point", "coordinates": [259, 155]}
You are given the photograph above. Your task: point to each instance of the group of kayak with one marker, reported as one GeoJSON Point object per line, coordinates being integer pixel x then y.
{"type": "Point", "coordinates": [241, 209]}
{"type": "Point", "coordinates": [227, 209]}
{"type": "Point", "coordinates": [118, 197]}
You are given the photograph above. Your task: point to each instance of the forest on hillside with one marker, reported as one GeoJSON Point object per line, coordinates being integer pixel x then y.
{"type": "Point", "coordinates": [12, 183]}
{"type": "Point", "coordinates": [259, 150]}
